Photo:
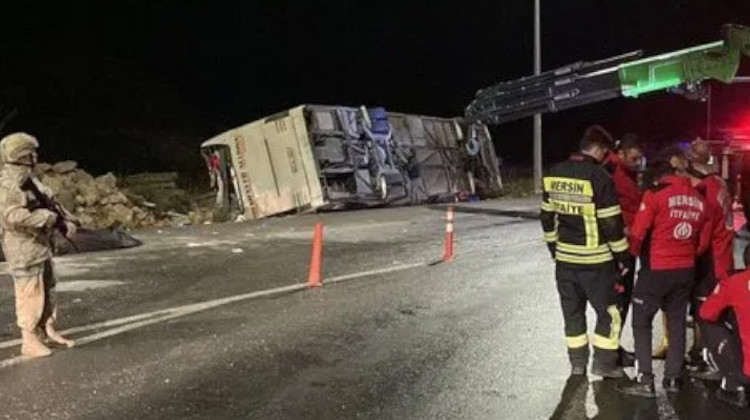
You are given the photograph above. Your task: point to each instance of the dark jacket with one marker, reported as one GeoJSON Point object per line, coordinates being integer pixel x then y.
{"type": "Point", "coordinates": [581, 215]}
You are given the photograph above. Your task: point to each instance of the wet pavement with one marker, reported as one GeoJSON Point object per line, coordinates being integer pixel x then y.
{"type": "Point", "coordinates": [176, 330]}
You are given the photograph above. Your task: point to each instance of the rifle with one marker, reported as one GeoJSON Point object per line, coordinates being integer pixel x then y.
{"type": "Point", "coordinates": [48, 203]}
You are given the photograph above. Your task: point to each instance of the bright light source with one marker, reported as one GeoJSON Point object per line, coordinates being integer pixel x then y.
{"type": "Point", "coordinates": [741, 124]}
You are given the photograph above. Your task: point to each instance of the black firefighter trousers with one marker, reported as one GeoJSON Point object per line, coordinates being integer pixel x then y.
{"type": "Point", "coordinates": [594, 284]}
{"type": "Point", "coordinates": [668, 290]}
{"type": "Point", "coordinates": [625, 296]}
{"type": "Point", "coordinates": [725, 352]}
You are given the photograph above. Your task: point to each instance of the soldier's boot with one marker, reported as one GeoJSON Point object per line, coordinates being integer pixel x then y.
{"type": "Point", "coordinates": [31, 346]}
{"type": "Point", "coordinates": [55, 336]}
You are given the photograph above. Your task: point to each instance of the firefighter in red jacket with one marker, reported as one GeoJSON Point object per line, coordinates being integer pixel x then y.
{"type": "Point", "coordinates": [716, 264]}
{"type": "Point", "coordinates": [669, 231]}
{"type": "Point", "coordinates": [721, 257]}
{"type": "Point", "coordinates": [624, 166]}
{"type": "Point", "coordinates": [727, 333]}
{"type": "Point", "coordinates": [713, 266]}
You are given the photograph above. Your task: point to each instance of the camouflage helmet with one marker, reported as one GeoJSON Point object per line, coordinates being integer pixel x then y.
{"type": "Point", "coordinates": [17, 145]}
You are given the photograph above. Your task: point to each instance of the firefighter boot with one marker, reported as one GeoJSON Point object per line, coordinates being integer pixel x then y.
{"type": "Point", "coordinates": [614, 372]}
{"type": "Point", "coordinates": [579, 359]}
{"type": "Point", "coordinates": [605, 365]}
{"type": "Point", "coordinates": [642, 386]}
{"type": "Point", "coordinates": [31, 345]}
{"type": "Point", "coordinates": [55, 336]}
{"type": "Point", "coordinates": [578, 370]}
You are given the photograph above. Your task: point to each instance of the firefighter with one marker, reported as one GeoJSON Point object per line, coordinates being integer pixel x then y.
{"type": "Point", "coordinates": [715, 265]}
{"type": "Point", "coordinates": [624, 165]}
{"type": "Point", "coordinates": [726, 330]}
{"type": "Point", "coordinates": [582, 224]}
{"type": "Point", "coordinates": [721, 258]}
{"type": "Point", "coordinates": [27, 244]}
{"type": "Point", "coordinates": [686, 162]}
{"type": "Point", "coordinates": [669, 231]}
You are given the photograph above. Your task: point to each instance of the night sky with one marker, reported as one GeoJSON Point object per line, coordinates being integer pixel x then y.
{"type": "Point", "coordinates": [138, 86]}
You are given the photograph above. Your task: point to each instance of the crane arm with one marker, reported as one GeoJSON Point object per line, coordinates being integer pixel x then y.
{"type": "Point", "coordinates": [628, 75]}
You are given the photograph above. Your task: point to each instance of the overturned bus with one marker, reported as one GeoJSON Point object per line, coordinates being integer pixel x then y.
{"type": "Point", "coordinates": [316, 157]}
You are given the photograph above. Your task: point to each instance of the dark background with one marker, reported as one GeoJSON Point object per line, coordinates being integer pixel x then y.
{"type": "Point", "coordinates": [139, 85]}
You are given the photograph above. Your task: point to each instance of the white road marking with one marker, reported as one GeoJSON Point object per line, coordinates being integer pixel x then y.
{"type": "Point", "coordinates": [129, 323]}
{"type": "Point", "coordinates": [373, 272]}
{"type": "Point", "coordinates": [81, 285]}
{"type": "Point", "coordinates": [181, 310]}
{"type": "Point", "coordinates": [213, 243]}
{"type": "Point", "coordinates": [344, 233]}
{"type": "Point", "coordinates": [13, 361]}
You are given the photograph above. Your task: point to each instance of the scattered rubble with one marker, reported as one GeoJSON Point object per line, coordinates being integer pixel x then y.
{"type": "Point", "coordinates": [105, 202]}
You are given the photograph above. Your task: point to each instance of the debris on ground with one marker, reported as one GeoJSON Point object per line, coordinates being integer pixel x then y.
{"type": "Point", "coordinates": [138, 201]}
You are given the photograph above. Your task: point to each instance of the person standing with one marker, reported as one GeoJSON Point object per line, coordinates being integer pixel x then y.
{"type": "Point", "coordinates": [582, 224]}
{"type": "Point", "coordinates": [623, 165]}
{"type": "Point", "coordinates": [27, 244]}
{"type": "Point", "coordinates": [669, 231]}
{"type": "Point", "coordinates": [716, 191]}
{"type": "Point", "coordinates": [713, 266]}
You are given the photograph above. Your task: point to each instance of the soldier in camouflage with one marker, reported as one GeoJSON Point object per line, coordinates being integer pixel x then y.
{"type": "Point", "coordinates": [27, 244]}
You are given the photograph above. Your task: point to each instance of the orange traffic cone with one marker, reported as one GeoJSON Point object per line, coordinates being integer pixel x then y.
{"type": "Point", "coordinates": [448, 248]}
{"type": "Point", "coordinates": [316, 256]}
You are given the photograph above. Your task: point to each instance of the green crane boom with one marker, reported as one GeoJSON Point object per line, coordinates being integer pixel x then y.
{"type": "Point", "coordinates": [627, 75]}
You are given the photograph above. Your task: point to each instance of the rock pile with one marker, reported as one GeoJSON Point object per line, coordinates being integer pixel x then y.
{"type": "Point", "coordinates": [98, 203]}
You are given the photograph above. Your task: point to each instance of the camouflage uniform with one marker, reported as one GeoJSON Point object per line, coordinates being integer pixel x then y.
{"type": "Point", "coordinates": [27, 245]}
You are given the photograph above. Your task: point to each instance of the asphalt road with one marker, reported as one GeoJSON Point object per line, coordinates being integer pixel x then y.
{"type": "Point", "coordinates": [176, 329]}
